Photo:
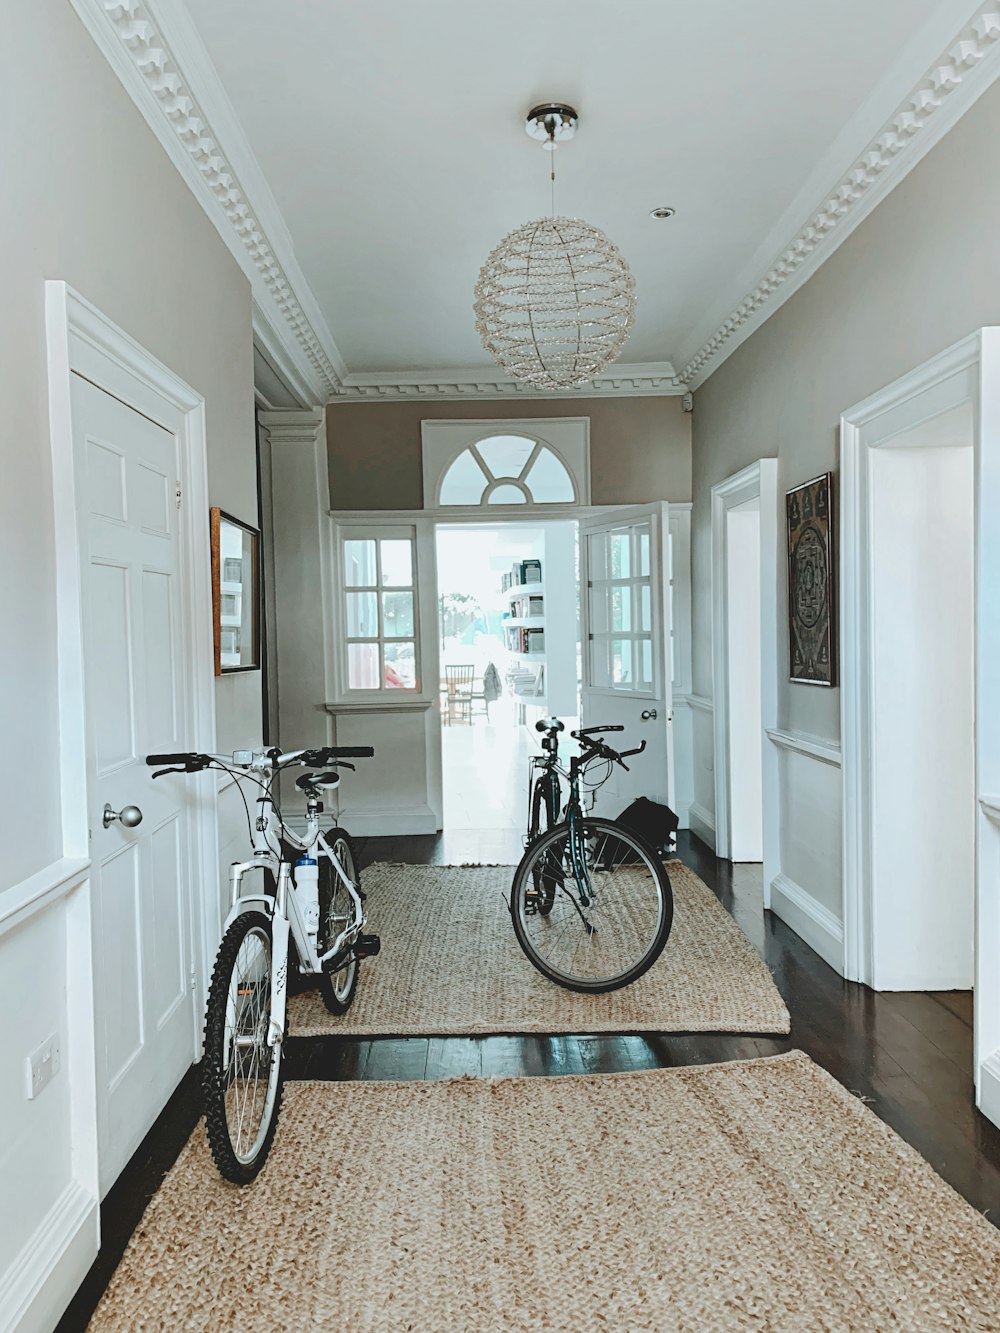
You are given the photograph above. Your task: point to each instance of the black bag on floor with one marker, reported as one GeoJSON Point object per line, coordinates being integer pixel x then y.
{"type": "Point", "coordinates": [656, 823]}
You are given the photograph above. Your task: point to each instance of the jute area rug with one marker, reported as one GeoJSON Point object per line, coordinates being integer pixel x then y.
{"type": "Point", "coordinates": [756, 1195]}
{"type": "Point", "coordinates": [450, 965]}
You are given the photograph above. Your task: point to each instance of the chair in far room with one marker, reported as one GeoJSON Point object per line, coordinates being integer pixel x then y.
{"type": "Point", "coordinates": [458, 693]}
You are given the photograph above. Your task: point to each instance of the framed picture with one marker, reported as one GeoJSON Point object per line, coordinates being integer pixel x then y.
{"type": "Point", "coordinates": [812, 607]}
{"type": "Point", "coordinates": [235, 593]}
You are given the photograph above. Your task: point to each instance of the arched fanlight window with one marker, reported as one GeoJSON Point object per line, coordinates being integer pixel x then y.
{"type": "Point", "coordinates": [507, 470]}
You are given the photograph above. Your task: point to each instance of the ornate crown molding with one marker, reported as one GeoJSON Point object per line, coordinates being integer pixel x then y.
{"type": "Point", "coordinates": [620, 380]}
{"type": "Point", "coordinates": [940, 98]}
{"type": "Point", "coordinates": [156, 53]}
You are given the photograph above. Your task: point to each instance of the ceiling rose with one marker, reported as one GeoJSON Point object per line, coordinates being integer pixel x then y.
{"type": "Point", "coordinates": [555, 300]}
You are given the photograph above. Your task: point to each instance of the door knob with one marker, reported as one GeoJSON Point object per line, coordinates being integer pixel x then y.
{"type": "Point", "coordinates": [129, 816]}
{"type": "Point", "coordinates": [647, 714]}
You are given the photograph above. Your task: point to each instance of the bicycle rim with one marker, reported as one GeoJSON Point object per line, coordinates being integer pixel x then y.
{"type": "Point", "coordinates": [250, 1067]}
{"type": "Point", "coordinates": [612, 907]}
{"type": "Point", "coordinates": [339, 914]}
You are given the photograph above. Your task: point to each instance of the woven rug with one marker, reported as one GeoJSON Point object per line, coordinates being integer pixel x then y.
{"type": "Point", "coordinates": [450, 965]}
{"type": "Point", "coordinates": [756, 1195]}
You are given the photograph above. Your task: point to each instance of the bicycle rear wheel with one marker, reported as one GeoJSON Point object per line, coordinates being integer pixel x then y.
{"type": "Point", "coordinates": [612, 906]}
{"type": "Point", "coordinates": [241, 1075]}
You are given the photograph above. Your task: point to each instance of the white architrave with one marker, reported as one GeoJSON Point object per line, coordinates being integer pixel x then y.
{"type": "Point", "coordinates": [758, 481]}
{"type": "Point", "coordinates": [301, 656]}
{"type": "Point", "coordinates": [80, 338]}
{"type": "Point", "coordinates": [968, 372]}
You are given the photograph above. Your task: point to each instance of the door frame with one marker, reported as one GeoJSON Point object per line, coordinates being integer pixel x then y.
{"type": "Point", "coordinates": [81, 339]}
{"type": "Point", "coordinates": [758, 481]}
{"type": "Point", "coordinates": [425, 523]}
{"type": "Point", "coordinates": [967, 372]}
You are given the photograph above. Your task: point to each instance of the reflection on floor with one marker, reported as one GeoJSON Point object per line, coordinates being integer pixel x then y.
{"type": "Point", "coordinates": [485, 766]}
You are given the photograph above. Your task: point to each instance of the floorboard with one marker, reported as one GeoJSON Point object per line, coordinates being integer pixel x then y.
{"type": "Point", "coordinates": [909, 1056]}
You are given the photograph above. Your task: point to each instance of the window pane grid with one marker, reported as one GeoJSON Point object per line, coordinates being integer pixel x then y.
{"type": "Point", "coordinates": [381, 643]}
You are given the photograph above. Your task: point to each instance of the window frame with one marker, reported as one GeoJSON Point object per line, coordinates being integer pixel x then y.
{"type": "Point", "coordinates": [568, 438]}
{"type": "Point", "coordinates": [635, 581]}
{"type": "Point", "coordinates": [347, 532]}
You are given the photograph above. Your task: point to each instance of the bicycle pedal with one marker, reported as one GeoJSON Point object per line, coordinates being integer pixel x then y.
{"type": "Point", "coordinates": [367, 946]}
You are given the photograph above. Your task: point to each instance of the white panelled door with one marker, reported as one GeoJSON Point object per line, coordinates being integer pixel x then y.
{"type": "Point", "coordinates": [625, 578]}
{"type": "Point", "coordinates": [133, 648]}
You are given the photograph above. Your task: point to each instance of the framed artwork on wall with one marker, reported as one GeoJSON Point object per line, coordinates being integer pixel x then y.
{"type": "Point", "coordinates": [812, 608]}
{"type": "Point", "coordinates": [235, 593]}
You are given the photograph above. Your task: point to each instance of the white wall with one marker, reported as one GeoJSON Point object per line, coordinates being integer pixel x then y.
{"type": "Point", "coordinates": [88, 197]}
{"type": "Point", "coordinates": [923, 725]}
{"type": "Point", "coordinates": [920, 273]}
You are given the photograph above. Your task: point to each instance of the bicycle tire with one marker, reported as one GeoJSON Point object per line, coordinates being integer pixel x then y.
{"type": "Point", "coordinates": [217, 1084]}
{"type": "Point", "coordinates": [544, 802]}
{"type": "Point", "coordinates": [337, 989]}
{"type": "Point", "coordinates": [651, 934]}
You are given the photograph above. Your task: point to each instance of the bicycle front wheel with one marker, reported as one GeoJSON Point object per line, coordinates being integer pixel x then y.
{"type": "Point", "coordinates": [612, 905]}
{"type": "Point", "coordinates": [241, 1074]}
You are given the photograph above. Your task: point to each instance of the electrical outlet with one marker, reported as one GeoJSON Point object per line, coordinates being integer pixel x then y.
{"type": "Point", "coordinates": [42, 1065]}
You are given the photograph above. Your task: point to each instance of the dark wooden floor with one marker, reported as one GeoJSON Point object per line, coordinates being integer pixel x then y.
{"type": "Point", "coordinates": [908, 1055]}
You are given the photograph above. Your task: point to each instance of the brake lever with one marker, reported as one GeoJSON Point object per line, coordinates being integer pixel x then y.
{"type": "Point", "coordinates": [160, 772]}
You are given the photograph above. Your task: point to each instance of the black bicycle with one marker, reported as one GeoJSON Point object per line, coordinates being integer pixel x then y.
{"type": "Point", "coordinates": [591, 902]}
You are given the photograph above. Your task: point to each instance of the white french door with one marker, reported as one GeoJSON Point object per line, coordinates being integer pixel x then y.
{"type": "Point", "coordinates": [127, 468]}
{"type": "Point", "coordinates": [626, 658]}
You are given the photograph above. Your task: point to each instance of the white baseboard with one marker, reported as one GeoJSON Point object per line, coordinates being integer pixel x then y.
{"type": "Point", "coordinates": [388, 821]}
{"type": "Point", "coordinates": [816, 924]}
{"type": "Point", "coordinates": [988, 1088]}
{"type": "Point", "coordinates": [923, 980]}
{"type": "Point", "coordinates": [701, 822]}
{"type": "Point", "coordinates": [44, 1277]}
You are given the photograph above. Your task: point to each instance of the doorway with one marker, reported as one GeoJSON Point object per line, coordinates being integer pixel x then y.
{"type": "Point", "coordinates": [746, 811]}
{"type": "Point", "coordinates": [919, 698]}
{"type": "Point", "coordinates": [745, 672]}
{"type": "Point", "coordinates": [508, 640]}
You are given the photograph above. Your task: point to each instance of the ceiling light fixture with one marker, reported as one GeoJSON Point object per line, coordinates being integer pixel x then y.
{"type": "Point", "coordinates": [555, 300]}
{"type": "Point", "coordinates": [663, 212]}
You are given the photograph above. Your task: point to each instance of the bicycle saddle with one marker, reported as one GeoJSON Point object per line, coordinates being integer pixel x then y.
{"type": "Point", "coordinates": [325, 781]}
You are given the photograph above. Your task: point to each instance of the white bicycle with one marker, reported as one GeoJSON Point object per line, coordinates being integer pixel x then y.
{"type": "Point", "coordinates": [317, 901]}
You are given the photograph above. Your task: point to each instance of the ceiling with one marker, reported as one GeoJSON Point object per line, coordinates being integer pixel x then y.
{"type": "Point", "coordinates": [390, 134]}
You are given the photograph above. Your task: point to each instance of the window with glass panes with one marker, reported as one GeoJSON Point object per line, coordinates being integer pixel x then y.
{"type": "Point", "coordinates": [380, 614]}
{"type": "Point", "coordinates": [621, 639]}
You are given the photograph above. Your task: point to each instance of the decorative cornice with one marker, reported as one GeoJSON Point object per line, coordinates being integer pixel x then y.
{"type": "Point", "coordinates": [939, 99]}
{"type": "Point", "coordinates": [620, 380]}
{"type": "Point", "coordinates": [154, 50]}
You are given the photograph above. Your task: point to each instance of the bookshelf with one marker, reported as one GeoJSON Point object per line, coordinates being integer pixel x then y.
{"type": "Point", "coordinates": [540, 628]}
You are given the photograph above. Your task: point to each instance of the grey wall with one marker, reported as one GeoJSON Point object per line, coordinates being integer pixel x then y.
{"type": "Point", "coordinates": [89, 196]}
{"type": "Point", "coordinates": [640, 448]}
{"type": "Point", "coordinates": [920, 273]}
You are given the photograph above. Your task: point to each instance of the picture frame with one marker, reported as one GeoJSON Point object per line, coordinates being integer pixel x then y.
{"type": "Point", "coordinates": [235, 593]}
{"type": "Point", "coordinates": [812, 579]}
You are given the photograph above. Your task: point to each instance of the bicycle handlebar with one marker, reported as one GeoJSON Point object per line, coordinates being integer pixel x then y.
{"type": "Point", "coordinates": [190, 761]}
{"type": "Point", "coordinates": [598, 749]}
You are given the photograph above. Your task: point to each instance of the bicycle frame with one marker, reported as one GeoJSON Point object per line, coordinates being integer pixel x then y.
{"type": "Point", "coordinates": [282, 906]}
{"type": "Point", "coordinates": [549, 762]}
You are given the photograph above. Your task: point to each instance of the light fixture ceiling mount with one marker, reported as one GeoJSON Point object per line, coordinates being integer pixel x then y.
{"type": "Point", "coordinates": [552, 123]}
{"type": "Point", "coordinates": [555, 300]}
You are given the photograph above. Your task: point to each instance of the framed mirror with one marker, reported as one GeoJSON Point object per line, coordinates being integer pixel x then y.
{"type": "Point", "coordinates": [235, 593]}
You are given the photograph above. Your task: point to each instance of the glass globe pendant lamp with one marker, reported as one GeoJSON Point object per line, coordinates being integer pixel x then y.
{"type": "Point", "coordinates": [555, 300]}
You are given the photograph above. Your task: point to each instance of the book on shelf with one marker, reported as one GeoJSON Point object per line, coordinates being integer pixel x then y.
{"type": "Point", "coordinates": [522, 572]}
{"type": "Point", "coordinates": [524, 640]}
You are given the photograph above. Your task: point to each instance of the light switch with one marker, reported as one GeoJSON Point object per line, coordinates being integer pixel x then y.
{"type": "Point", "coordinates": [42, 1065]}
